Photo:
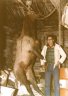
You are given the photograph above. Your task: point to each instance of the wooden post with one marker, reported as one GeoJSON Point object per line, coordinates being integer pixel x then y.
{"type": "Point", "coordinates": [60, 27]}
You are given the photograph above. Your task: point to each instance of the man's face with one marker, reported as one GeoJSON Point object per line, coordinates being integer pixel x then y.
{"type": "Point", "coordinates": [50, 41]}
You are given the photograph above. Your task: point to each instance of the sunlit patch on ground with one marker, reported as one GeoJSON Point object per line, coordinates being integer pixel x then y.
{"type": "Point", "coordinates": [8, 86]}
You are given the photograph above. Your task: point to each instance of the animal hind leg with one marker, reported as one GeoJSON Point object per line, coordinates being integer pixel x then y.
{"type": "Point", "coordinates": [31, 78]}
{"type": "Point", "coordinates": [27, 84]}
{"type": "Point", "coordinates": [21, 76]}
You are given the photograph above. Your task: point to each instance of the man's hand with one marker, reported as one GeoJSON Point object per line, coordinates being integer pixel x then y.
{"type": "Point", "coordinates": [44, 67]}
{"type": "Point", "coordinates": [58, 63]}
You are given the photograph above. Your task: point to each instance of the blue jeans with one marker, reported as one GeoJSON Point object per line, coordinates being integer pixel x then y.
{"type": "Point", "coordinates": [55, 73]}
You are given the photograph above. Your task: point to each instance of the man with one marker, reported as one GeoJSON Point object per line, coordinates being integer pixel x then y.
{"type": "Point", "coordinates": [53, 56]}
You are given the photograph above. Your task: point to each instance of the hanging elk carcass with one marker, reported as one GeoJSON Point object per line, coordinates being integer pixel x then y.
{"type": "Point", "coordinates": [27, 51]}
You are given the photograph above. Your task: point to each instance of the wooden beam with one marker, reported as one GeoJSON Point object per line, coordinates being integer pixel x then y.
{"type": "Point", "coordinates": [60, 32]}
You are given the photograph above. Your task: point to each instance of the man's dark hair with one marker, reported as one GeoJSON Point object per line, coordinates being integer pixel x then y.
{"type": "Point", "coordinates": [54, 37]}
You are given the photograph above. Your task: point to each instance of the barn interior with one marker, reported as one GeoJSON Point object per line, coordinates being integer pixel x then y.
{"type": "Point", "coordinates": [45, 18]}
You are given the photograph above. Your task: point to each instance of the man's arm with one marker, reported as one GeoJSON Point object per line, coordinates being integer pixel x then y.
{"type": "Point", "coordinates": [63, 55]}
{"type": "Point", "coordinates": [43, 53]}
{"type": "Point", "coordinates": [62, 58]}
